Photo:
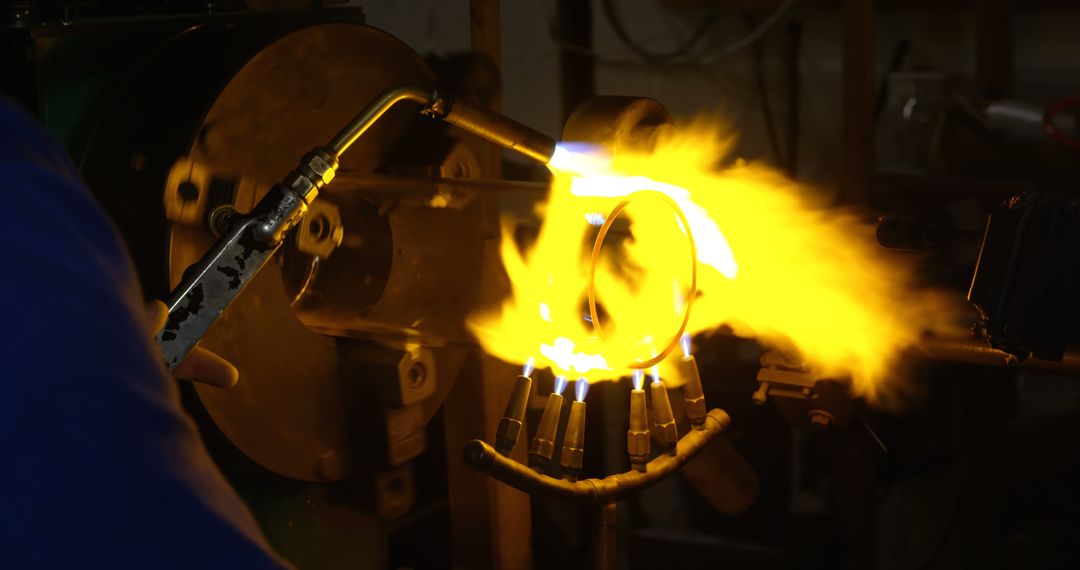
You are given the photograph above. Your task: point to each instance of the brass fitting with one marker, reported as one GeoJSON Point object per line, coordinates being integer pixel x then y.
{"type": "Point", "coordinates": [506, 435]}
{"type": "Point", "coordinates": [693, 394]}
{"type": "Point", "coordinates": [543, 442]}
{"type": "Point", "coordinates": [574, 441]}
{"type": "Point", "coordinates": [638, 445]}
{"type": "Point", "coordinates": [317, 168]}
{"type": "Point", "coordinates": [667, 435]}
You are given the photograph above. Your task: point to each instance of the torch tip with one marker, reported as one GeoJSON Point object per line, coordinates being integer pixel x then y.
{"type": "Point", "coordinates": [560, 384]}
{"type": "Point", "coordinates": [581, 388]}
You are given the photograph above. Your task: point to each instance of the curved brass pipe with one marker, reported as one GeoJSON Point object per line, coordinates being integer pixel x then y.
{"type": "Point", "coordinates": [483, 122]}
{"type": "Point", "coordinates": [612, 488]}
{"type": "Point", "coordinates": [374, 111]}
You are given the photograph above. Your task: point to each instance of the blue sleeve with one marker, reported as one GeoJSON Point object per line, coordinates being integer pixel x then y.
{"type": "Point", "coordinates": [101, 467]}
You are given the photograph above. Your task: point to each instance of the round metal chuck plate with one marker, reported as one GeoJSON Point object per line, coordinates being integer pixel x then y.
{"type": "Point", "coordinates": [287, 412]}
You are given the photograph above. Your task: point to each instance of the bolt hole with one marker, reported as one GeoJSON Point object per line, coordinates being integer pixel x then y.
{"type": "Point", "coordinates": [417, 375]}
{"type": "Point", "coordinates": [395, 486]}
{"type": "Point", "coordinates": [319, 228]}
{"type": "Point", "coordinates": [188, 192]}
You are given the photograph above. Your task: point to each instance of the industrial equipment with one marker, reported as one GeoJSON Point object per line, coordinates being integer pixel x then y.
{"type": "Point", "coordinates": [368, 420]}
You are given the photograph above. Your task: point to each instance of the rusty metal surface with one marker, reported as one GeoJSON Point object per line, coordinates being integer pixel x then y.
{"type": "Point", "coordinates": [286, 412]}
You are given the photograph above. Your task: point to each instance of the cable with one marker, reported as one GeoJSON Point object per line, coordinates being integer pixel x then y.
{"type": "Point", "coordinates": [595, 260]}
{"type": "Point", "coordinates": [763, 99]}
{"type": "Point", "coordinates": [653, 57]}
{"type": "Point", "coordinates": [752, 37]}
{"type": "Point", "coordinates": [659, 58]}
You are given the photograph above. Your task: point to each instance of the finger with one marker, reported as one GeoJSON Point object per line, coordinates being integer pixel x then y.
{"type": "Point", "coordinates": [156, 315]}
{"type": "Point", "coordinates": [207, 368]}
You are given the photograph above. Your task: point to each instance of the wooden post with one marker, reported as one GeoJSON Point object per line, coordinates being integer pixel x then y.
{"type": "Point", "coordinates": [576, 61]}
{"type": "Point", "coordinates": [994, 47]}
{"type": "Point", "coordinates": [491, 523]}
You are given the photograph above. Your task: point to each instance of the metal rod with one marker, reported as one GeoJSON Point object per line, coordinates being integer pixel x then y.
{"type": "Point", "coordinates": [607, 552]}
{"type": "Point", "coordinates": [970, 350]}
{"type": "Point", "coordinates": [612, 488]}
{"type": "Point", "coordinates": [366, 183]}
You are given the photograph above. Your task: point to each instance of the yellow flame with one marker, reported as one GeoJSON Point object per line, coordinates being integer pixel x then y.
{"type": "Point", "coordinates": [773, 264]}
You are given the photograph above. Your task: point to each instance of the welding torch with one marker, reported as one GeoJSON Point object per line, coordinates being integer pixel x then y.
{"type": "Point", "coordinates": [248, 241]}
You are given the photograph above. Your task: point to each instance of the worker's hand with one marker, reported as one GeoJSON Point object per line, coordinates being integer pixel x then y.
{"type": "Point", "coordinates": [201, 365]}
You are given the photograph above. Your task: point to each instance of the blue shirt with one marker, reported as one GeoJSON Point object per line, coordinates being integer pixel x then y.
{"type": "Point", "coordinates": [99, 465]}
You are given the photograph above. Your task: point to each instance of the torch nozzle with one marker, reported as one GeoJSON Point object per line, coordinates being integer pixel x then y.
{"type": "Point", "coordinates": [693, 395]}
{"type": "Point", "coordinates": [637, 437]}
{"type": "Point", "coordinates": [574, 441]}
{"type": "Point", "coordinates": [506, 435]}
{"type": "Point", "coordinates": [667, 435]}
{"type": "Point", "coordinates": [543, 442]}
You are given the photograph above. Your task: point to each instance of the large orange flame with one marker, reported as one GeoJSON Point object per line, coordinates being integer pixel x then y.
{"type": "Point", "coordinates": [773, 263]}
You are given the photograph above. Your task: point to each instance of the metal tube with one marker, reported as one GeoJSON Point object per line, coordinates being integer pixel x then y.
{"type": "Point", "coordinates": [506, 435]}
{"type": "Point", "coordinates": [543, 443]}
{"type": "Point", "coordinates": [666, 433]}
{"type": "Point", "coordinates": [374, 111]}
{"type": "Point", "coordinates": [970, 350]}
{"type": "Point", "coordinates": [501, 130]}
{"type": "Point", "coordinates": [607, 554]}
{"type": "Point", "coordinates": [612, 488]}
{"type": "Point", "coordinates": [574, 441]}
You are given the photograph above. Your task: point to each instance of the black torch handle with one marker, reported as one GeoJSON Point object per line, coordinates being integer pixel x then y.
{"type": "Point", "coordinates": [211, 285]}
